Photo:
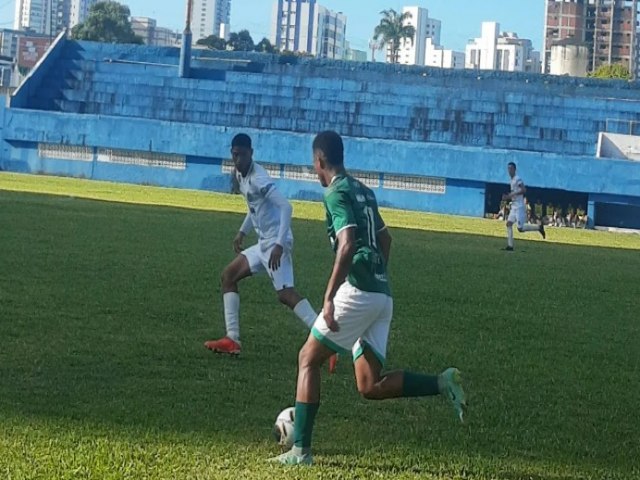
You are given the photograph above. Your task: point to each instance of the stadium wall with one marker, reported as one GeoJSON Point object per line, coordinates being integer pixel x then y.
{"type": "Point", "coordinates": [423, 139]}
{"type": "Point", "coordinates": [409, 175]}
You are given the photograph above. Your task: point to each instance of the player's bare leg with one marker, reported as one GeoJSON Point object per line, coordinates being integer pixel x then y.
{"type": "Point", "coordinates": [529, 227]}
{"type": "Point", "coordinates": [509, 246]}
{"type": "Point", "coordinates": [373, 385]}
{"type": "Point", "coordinates": [237, 270]}
{"type": "Point", "coordinates": [303, 310]}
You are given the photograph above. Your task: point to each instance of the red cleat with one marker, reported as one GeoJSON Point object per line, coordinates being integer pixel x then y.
{"type": "Point", "coordinates": [333, 361]}
{"type": "Point", "coordinates": [224, 345]}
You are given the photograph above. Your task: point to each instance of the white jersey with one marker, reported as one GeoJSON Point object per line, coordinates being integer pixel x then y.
{"type": "Point", "coordinates": [517, 201]}
{"type": "Point", "coordinates": [256, 188]}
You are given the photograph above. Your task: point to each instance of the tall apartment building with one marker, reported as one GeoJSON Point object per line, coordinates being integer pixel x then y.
{"type": "Point", "coordinates": [608, 28]}
{"type": "Point", "coordinates": [501, 51]}
{"type": "Point", "coordinates": [60, 15]}
{"type": "Point", "coordinates": [210, 17]}
{"type": "Point", "coordinates": [307, 27]}
{"type": "Point", "coordinates": [9, 40]}
{"type": "Point", "coordinates": [33, 15]}
{"type": "Point", "coordinates": [413, 51]}
{"type": "Point", "coordinates": [79, 11]}
{"type": "Point", "coordinates": [50, 17]}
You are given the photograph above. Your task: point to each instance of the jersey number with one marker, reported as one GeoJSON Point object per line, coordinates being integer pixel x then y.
{"type": "Point", "coordinates": [371, 227]}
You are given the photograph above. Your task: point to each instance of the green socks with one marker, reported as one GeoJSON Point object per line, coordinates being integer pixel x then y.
{"type": "Point", "coordinates": [303, 425]}
{"type": "Point", "coordinates": [413, 385]}
{"type": "Point", "coordinates": [417, 385]}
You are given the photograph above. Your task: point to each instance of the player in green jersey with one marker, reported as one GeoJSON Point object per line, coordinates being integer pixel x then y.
{"type": "Point", "coordinates": [357, 308]}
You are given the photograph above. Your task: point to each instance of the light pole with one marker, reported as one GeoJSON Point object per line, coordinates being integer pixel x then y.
{"type": "Point", "coordinates": [185, 49]}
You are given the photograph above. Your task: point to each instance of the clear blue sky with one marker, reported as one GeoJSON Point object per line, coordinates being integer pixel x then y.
{"type": "Point", "coordinates": [460, 18]}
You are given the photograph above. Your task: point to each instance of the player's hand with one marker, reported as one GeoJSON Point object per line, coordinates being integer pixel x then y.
{"type": "Point", "coordinates": [328, 311]}
{"type": "Point", "coordinates": [237, 242]}
{"type": "Point", "coordinates": [276, 255]}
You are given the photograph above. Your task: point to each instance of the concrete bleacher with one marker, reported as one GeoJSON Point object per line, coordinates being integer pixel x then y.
{"type": "Point", "coordinates": [477, 109]}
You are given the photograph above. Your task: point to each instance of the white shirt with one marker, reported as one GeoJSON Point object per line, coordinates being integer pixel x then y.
{"type": "Point", "coordinates": [517, 201]}
{"type": "Point", "coordinates": [269, 212]}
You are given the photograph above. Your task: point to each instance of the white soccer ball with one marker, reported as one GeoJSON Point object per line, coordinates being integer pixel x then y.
{"type": "Point", "coordinates": [283, 428]}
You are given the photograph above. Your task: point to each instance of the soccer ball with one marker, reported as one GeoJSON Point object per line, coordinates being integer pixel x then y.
{"type": "Point", "coordinates": [283, 428]}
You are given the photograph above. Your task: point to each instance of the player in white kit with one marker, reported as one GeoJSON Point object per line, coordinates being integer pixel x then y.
{"type": "Point", "coordinates": [270, 216]}
{"type": "Point", "coordinates": [518, 211]}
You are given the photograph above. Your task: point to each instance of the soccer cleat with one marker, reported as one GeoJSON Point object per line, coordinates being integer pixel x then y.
{"type": "Point", "coordinates": [542, 232]}
{"type": "Point", "coordinates": [508, 249]}
{"type": "Point", "coordinates": [333, 361]}
{"type": "Point", "coordinates": [450, 382]}
{"type": "Point", "coordinates": [291, 458]}
{"type": "Point", "coordinates": [224, 345]}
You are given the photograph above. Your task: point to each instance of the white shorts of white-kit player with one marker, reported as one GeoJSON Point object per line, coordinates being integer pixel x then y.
{"type": "Point", "coordinates": [364, 319]}
{"type": "Point", "coordinates": [517, 216]}
{"type": "Point", "coordinates": [258, 258]}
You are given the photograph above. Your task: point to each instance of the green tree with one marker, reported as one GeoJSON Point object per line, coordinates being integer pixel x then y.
{"type": "Point", "coordinates": [616, 71]}
{"type": "Point", "coordinates": [107, 22]}
{"type": "Point", "coordinates": [392, 30]}
{"type": "Point", "coordinates": [213, 42]}
{"type": "Point", "coordinates": [265, 46]}
{"type": "Point", "coordinates": [241, 42]}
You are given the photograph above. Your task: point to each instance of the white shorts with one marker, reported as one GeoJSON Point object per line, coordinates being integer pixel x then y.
{"type": "Point", "coordinates": [364, 319]}
{"type": "Point", "coordinates": [258, 258]}
{"type": "Point", "coordinates": [517, 216]}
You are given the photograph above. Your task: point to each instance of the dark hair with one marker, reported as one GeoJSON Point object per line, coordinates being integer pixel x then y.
{"type": "Point", "coordinates": [512, 164]}
{"type": "Point", "coordinates": [330, 144]}
{"type": "Point", "coordinates": [241, 140]}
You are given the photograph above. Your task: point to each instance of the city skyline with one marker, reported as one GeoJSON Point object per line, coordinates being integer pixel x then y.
{"type": "Point", "coordinates": [527, 19]}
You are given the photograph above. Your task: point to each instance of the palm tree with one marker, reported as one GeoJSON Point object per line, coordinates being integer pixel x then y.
{"type": "Point", "coordinates": [392, 30]}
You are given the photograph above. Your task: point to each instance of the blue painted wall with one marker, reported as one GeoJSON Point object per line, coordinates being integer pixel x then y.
{"type": "Point", "coordinates": [616, 210]}
{"type": "Point", "coordinates": [459, 126]}
{"type": "Point", "coordinates": [482, 165]}
{"type": "Point", "coordinates": [466, 170]}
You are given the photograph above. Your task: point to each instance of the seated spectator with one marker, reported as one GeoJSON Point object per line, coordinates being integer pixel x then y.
{"type": "Point", "coordinates": [538, 211]}
{"type": "Point", "coordinates": [580, 218]}
{"type": "Point", "coordinates": [558, 221]}
{"type": "Point", "coordinates": [529, 213]}
{"type": "Point", "coordinates": [503, 213]}
{"type": "Point", "coordinates": [570, 218]}
{"type": "Point", "coordinates": [549, 215]}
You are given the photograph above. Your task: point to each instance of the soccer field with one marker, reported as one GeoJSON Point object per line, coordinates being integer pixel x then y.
{"type": "Point", "coordinates": [107, 293]}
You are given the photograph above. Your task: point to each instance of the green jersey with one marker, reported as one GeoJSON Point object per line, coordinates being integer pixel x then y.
{"type": "Point", "coordinates": [350, 204]}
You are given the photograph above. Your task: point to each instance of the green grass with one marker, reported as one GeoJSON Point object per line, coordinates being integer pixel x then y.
{"type": "Point", "coordinates": [104, 306]}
